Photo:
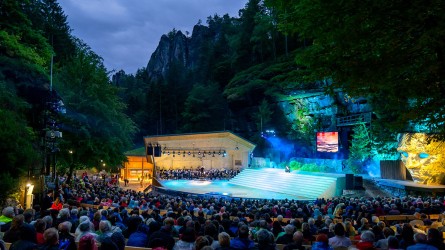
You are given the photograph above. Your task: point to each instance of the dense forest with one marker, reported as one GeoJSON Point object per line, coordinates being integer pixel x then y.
{"type": "Point", "coordinates": [229, 74]}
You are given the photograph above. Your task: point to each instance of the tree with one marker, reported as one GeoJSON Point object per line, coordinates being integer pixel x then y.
{"type": "Point", "coordinates": [204, 109]}
{"type": "Point", "coordinates": [391, 53]}
{"type": "Point", "coordinates": [17, 154]}
{"type": "Point", "coordinates": [96, 127]}
{"type": "Point", "coordinates": [360, 150]}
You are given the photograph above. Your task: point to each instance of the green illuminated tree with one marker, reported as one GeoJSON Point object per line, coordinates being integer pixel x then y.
{"type": "Point", "coordinates": [360, 150]}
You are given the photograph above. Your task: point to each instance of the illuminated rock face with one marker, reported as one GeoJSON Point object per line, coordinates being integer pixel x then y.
{"type": "Point", "coordinates": [424, 160]}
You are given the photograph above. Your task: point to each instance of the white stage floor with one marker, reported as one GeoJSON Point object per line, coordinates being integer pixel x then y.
{"type": "Point", "coordinates": [224, 188]}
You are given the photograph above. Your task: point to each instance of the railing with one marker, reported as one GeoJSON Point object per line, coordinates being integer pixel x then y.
{"type": "Point", "coordinates": [351, 120]}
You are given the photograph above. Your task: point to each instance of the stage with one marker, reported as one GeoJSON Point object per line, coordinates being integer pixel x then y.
{"type": "Point", "coordinates": [266, 183]}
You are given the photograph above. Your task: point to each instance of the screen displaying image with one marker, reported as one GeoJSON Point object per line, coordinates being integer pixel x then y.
{"type": "Point", "coordinates": [327, 142]}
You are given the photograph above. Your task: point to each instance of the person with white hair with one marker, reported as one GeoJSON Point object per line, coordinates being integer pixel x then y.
{"type": "Point", "coordinates": [288, 235]}
{"type": "Point", "coordinates": [366, 240]}
{"type": "Point", "coordinates": [6, 218]}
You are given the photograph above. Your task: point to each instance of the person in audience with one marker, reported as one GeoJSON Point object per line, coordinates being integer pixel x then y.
{"type": "Point", "coordinates": [223, 241]}
{"type": "Point", "coordinates": [339, 240]}
{"type": "Point", "coordinates": [6, 218]}
{"type": "Point", "coordinates": [383, 243]}
{"type": "Point", "coordinates": [27, 239]}
{"type": "Point", "coordinates": [187, 240]}
{"type": "Point", "coordinates": [66, 240]}
{"type": "Point", "coordinates": [118, 239]}
{"type": "Point", "coordinates": [420, 240]}
{"type": "Point", "coordinates": [349, 229]}
{"type": "Point", "coordinates": [12, 235]}
{"type": "Point", "coordinates": [86, 228]}
{"type": "Point", "coordinates": [297, 242]}
{"type": "Point", "coordinates": [265, 240]}
{"type": "Point", "coordinates": [242, 241]}
{"type": "Point", "coordinates": [87, 242]}
{"type": "Point", "coordinates": [366, 241]}
{"type": "Point", "coordinates": [105, 231]}
{"type": "Point", "coordinates": [435, 238]}
{"type": "Point", "coordinates": [407, 236]}
{"type": "Point", "coordinates": [201, 242]}
{"type": "Point", "coordinates": [321, 243]}
{"type": "Point", "coordinates": [51, 237]}
{"type": "Point", "coordinates": [57, 204]}
{"type": "Point", "coordinates": [417, 222]}
{"type": "Point", "coordinates": [276, 228]}
{"type": "Point", "coordinates": [164, 234]}
{"type": "Point", "coordinates": [393, 243]}
{"type": "Point", "coordinates": [287, 237]}
{"type": "Point", "coordinates": [40, 227]}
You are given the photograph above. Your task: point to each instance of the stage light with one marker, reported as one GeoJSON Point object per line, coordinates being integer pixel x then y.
{"type": "Point", "coordinates": [168, 153]}
{"type": "Point", "coordinates": [219, 153]}
{"type": "Point", "coordinates": [199, 152]}
{"type": "Point", "coordinates": [189, 152]}
{"type": "Point", "coordinates": [210, 153]}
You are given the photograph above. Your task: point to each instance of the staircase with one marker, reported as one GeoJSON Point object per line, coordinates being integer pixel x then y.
{"type": "Point", "coordinates": [304, 186]}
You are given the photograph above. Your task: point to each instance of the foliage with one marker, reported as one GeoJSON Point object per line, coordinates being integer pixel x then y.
{"type": "Point", "coordinates": [307, 167]}
{"type": "Point", "coordinates": [360, 150]}
{"type": "Point", "coordinates": [204, 109]}
{"type": "Point", "coordinates": [97, 128]}
{"type": "Point", "coordinates": [17, 154]}
{"type": "Point", "coordinates": [390, 53]}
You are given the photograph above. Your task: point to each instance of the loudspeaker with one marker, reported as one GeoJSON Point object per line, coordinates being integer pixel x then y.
{"type": "Point", "coordinates": [157, 151]}
{"type": "Point", "coordinates": [349, 185]}
{"type": "Point", "coordinates": [149, 150]}
{"type": "Point", "coordinates": [358, 182]}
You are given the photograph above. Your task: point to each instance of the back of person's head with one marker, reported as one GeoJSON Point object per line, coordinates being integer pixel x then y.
{"type": "Point", "coordinates": [420, 238]}
{"type": "Point", "coordinates": [264, 237]}
{"type": "Point", "coordinates": [85, 226]}
{"type": "Point", "coordinates": [387, 231]}
{"type": "Point", "coordinates": [119, 239]}
{"type": "Point", "coordinates": [104, 226]}
{"type": "Point", "coordinates": [169, 222]}
{"type": "Point", "coordinates": [64, 213]}
{"type": "Point", "coordinates": [74, 212]}
{"type": "Point", "coordinates": [27, 232]}
{"type": "Point", "coordinates": [407, 232]}
{"type": "Point", "coordinates": [224, 239]}
{"type": "Point", "coordinates": [29, 215]}
{"type": "Point", "coordinates": [17, 221]}
{"type": "Point", "coordinates": [367, 236]}
{"type": "Point", "coordinates": [393, 242]}
{"type": "Point", "coordinates": [87, 242]}
{"type": "Point", "coordinates": [289, 229]}
{"type": "Point", "coordinates": [48, 220]}
{"type": "Point", "coordinates": [201, 242]}
{"type": "Point", "coordinates": [188, 235]}
{"type": "Point", "coordinates": [243, 231]}
{"type": "Point", "coordinates": [65, 227]}
{"type": "Point", "coordinates": [8, 212]}
{"type": "Point", "coordinates": [51, 236]}
{"type": "Point", "coordinates": [339, 229]}
{"type": "Point", "coordinates": [298, 237]}
{"type": "Point", "coordinates": [210, 230]}
{"type": "Point", "coordinates": [40, 226]}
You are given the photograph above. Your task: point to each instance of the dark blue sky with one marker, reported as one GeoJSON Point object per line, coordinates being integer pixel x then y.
{"type": "Point", "coordinates": [126, 32]}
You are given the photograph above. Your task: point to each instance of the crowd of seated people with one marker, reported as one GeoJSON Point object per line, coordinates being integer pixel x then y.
{"type": "Point", "coordinates": [199, 173]}
{"type": "Point", "coordinates": [129, 218]}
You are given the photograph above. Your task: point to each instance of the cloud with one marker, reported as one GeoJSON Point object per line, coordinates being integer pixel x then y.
{"type": "Point", "coordinates": [126, 32]}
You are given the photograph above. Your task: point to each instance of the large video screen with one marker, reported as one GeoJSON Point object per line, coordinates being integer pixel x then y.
{"type": "Point", "coordinates": [327, 142]}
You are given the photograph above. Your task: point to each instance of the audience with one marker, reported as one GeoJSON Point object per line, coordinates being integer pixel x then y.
{"type": "Point", "coordinates": [210, 222]}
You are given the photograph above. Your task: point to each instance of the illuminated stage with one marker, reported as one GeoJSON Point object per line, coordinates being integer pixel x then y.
{"type": "Point", "coordinates": [265, 184]}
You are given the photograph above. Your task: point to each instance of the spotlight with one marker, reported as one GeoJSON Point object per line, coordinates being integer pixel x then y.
{"type": "Point", "coordinates": [219, 153]}
{"type": "Point", "coordinates": [199, 152]}
{"type": "Point", "coordinates": [168, 153]}
{"type": "Point", "coordinates": [189, 152]}
{"type": "Point", "coordinates": [224, 154]}
{"type": "Point", "coordinates": [210, 153]}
